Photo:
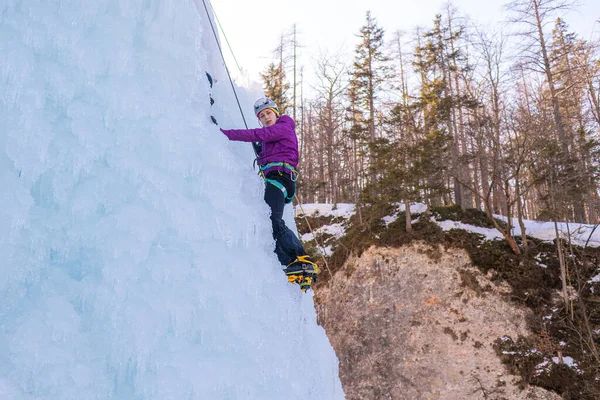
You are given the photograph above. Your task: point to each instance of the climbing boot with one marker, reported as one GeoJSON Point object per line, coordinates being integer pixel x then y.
{"type": "Point", "coordinates": [303, 271]}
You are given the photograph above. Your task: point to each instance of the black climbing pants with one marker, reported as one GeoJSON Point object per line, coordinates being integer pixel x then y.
{"type": "Point", "coordinates": [287, 246]}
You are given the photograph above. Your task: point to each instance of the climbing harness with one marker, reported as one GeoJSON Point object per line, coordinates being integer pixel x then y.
{"type": "Point", "coordinates": [280, 186]}
{"type": "Point", "coordinates": [292, 171]}
{"type": "Point", "coordinates": [293, 176]}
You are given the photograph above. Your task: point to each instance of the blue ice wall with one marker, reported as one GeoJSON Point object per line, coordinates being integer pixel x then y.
{"type": "Point", "coordinates": [135, 248]}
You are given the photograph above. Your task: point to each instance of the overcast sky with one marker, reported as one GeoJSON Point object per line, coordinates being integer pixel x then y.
{"type": "Point", "coordinates": [253, 28]}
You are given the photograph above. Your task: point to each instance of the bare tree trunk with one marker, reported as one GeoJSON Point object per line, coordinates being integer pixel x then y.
{"type": "Point", "coordinates": [371, 89]}
{"type": "Point", "coordinates": [406, 136]}
{"type": "Point", "coordinates": [559, 248]}
{"type": "Point", "coordinates": [408, 218]}
{"type": "Point", "coordinates": [520, 213]}
{"type": "Point", "coordinates": [563, 267]}
{"type": "Point", "coordinates": [558, 121]}
{"type": "Point", "coordinates": [458, 123]}
{"type": "Point", "coordinates": [302, 115]}
{"type": "Point", "coordinates": [586, 319]}
{"type": "Point", "coordinates": [295, 63]}
{"type": "Point", "coordinates": [475, 182]}
{"type": "Point", "coordinates": [532, 206]}
{"type": "Point", "coordinates": [309, 143]}
{"type": "Point", "coordinates": [485, 176]}
{"type": "Point", "coordinates": [593, 94]}
{"type": "Point", "coordinates": [506, 233]}
{"type": "Point", "coordinates": [321, 149]}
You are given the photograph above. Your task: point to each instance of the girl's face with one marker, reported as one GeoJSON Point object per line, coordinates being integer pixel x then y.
{"type": "Point", "coordinates": [267, 117]}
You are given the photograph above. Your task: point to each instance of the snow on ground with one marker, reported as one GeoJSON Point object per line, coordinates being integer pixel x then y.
{"type": "Point", "coordinates": [336, 230]}
{"type": "Point", "coordinates": [593, 280]}
{"type": "Point", "coordinates": [489, 234]}
{"type": "Point", "coordinates": [346, 210]}
{"type": "Point", "coordinates": [578, 233]}
{"type": "Point", "coordinates": [343, 210]}
{"type": "Point", "coordinates": [415, 208]}
{"type": "Point", "coordinates": [388, 219]}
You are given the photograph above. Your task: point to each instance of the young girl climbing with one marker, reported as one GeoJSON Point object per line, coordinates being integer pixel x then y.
{"type": "Point", "coordinates": [278, 159]}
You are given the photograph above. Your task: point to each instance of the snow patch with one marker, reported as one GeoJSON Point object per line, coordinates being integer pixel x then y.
{"type": "Point", "coordinates": [343, 210]}
{"type": "Point", "coordinates": [488, 233]}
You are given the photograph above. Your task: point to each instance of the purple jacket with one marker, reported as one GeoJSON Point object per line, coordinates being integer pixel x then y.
{"type": "Point", "coordinates": [279, 141]}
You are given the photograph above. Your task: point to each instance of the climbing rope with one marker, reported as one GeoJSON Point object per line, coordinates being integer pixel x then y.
{"type": "Point", "coordinates": [225, 36]}
{"type": "Point", "coordinates": [242, 113]}
{"type": "Point", "coordinates": [254, 145]}
{"type": "Point", "coordinates": [224, 63]}
{"type": "Point", "coordinates": [299, 204]}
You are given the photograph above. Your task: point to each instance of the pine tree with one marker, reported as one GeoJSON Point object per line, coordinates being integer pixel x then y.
{"type": "Point", "coordinates": [436, 147]}
{"type": "Point", "coordinates": [354, 131]}
{"type": "Point", "coordinates": [275, 82]}
{"type": "Point", "coordinates": [276, 86]}
{"type": "Point", "coordinates": [565, 49]}
{"type": "Point", "coordinates": [368, 75]}
{"type": "Point", "coordinates": [440, 64]}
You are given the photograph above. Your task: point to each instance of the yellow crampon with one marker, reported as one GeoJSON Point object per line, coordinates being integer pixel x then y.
{"type": "Point", "coordinates": [303, 281]}
{"type": "Point", "coordinates": [302, 271]}
{"type": "Point", "coordinates": [305, 259]}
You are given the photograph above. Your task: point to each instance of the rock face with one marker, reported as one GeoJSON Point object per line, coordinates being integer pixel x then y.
{"type": "Point", "coordinates": [419, 323]}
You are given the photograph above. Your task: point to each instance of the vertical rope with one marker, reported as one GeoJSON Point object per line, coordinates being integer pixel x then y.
{"type": "Point", "coordinates": [225, 36]}
{"type": "Point", "coordinates": [224, 63]}
{"type": "Point", "coordinates": [321, 248]}
{"type": "Point", "coordinates": [254, 145]}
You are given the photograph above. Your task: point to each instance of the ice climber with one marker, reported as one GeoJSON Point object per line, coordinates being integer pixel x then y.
{"type": "Point", "coordinates": [278, 159]}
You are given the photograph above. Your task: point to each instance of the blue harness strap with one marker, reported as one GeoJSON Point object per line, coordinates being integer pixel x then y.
{"type": "Point", "coordinates": [280, 186]}
{"type": "Point", "coordinates": [277, 184]}
{"type": "Point", "coordinates": [287, 166]}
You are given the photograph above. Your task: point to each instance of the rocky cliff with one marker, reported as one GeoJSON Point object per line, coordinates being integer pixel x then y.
{"type": "Point", "coordinates": [420, 322]}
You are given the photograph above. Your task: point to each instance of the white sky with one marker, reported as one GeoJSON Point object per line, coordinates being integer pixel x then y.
{"type": "Point", "coordinates": [254, 28]}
